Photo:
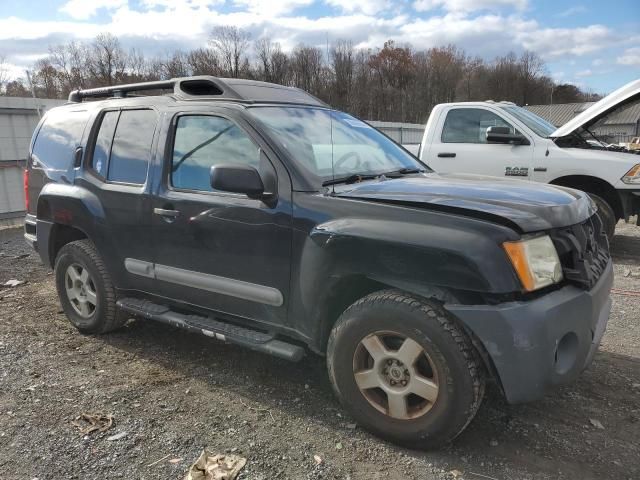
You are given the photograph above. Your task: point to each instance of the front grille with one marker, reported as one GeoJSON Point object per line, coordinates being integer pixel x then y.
{"type": "Point", "coordinates": [583, 250]}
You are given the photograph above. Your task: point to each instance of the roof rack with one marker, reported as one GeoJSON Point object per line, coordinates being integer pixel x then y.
{"type": "Point", "coordinates": [186, 86]}
{"type": "Point", "coordinates": [207, 87]}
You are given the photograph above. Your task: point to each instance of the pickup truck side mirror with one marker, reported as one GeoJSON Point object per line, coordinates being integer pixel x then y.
{"type": "Point", "coordinates": [237, 179]}
{"type": "Point", "coordinates": [504, 135]}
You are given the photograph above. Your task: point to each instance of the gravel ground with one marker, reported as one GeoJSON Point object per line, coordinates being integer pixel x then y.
{"type": "Point", "coordinates": [172, 393]}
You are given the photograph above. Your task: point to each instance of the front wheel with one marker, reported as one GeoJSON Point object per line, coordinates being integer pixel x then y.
{"type": "Point", "coordinates": [606, 214]}
{"type": "Point", "coordinates": [404, 369]}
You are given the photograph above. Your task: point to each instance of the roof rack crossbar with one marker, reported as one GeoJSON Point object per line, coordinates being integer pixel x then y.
{"type": "Point", "coordinates": [120, 90]}
{"type": "Point", "coordinates": [175, 84]}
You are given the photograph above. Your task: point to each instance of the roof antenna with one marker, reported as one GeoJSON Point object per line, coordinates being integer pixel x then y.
{"type": "Point", "coordinates": [333, 172]}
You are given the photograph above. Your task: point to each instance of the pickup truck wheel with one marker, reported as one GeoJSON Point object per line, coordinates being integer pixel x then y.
{"type": "Point", "coordinates": [85, 289]}
{"type": "Point", "coordinates": [404, 369]}
{"type": "Point", "coordinates": [606, 214]}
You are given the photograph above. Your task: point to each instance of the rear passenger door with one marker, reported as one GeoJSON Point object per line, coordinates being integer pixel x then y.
{"type": "Point", "coordinates": [119, 153]}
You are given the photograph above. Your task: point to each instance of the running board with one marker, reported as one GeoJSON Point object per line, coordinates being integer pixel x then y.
{"type": "Point", "coordinates": [253, 339]}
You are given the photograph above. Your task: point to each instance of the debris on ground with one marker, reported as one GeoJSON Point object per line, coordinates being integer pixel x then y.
{"type": "Point", "coordinates": [317, 459]}
{"type": "Point", "coordinates": [13, 283]}
{"type": "Point", "coordinates": [117, 436]}
{"type": "Point", "coordinates": [596, 423]}
{"type": "Point", "coordinates": [91, 422]}
{"type": "Point", "coordinates": [212, 466]}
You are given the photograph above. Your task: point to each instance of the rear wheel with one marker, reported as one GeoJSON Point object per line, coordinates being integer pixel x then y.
{"type": "Point", "coordinates": [85, 289]}
{"type": "Point", "coordinates": [404, 369]}
{"type": "Point", "coordinates": [606, 214]}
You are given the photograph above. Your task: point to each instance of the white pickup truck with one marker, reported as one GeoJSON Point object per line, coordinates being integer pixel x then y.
{"type": "Point", "coordinates": [502, 139]}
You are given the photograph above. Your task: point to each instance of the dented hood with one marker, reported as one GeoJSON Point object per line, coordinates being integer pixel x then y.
{"type": "Point", "coordinates": [624, 95]}
{"type": "Point", "coordinates": [528, 206]}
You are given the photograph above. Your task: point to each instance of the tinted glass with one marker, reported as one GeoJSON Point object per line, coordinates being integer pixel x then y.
{"type": "Point", "coordinates": [103, 143]}
{"type": "Point", "coordinates": [58, 138]}
{"type": "Point", "coordinates": [469, 125]}
{"type": "Point", "coordinates": [327, 142]}
{"type": "Point", "coordinates": [202, 142]}
{"type": "Point", "coordinates": [131, 149]}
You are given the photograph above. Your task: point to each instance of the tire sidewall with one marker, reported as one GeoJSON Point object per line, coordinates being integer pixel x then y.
{"type": "Point", "coordinates": [606, 214]}
{"type": "Point", "coordinates": [68, 255]}
{"type": "Point", "coordinates": [447, 416]}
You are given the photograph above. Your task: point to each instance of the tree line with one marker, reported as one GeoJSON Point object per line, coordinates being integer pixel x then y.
{"type": "Point", "coordinates": [391, 83]}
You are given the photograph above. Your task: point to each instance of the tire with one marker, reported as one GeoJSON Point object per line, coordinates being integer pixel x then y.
{"type": "Point", "coordinates": [453, 362]}
{"type": "Point", "coordinates": [606, 214]}
{"type": "Point", "coordinates": [103, 315]}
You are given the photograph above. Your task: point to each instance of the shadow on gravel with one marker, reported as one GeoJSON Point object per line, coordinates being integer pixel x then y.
{"type": "Point", "coordinates": [626, 248]}
{"type": "Point", "coordinates": [552, 435]}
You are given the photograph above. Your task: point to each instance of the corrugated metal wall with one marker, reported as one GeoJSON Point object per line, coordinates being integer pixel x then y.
{"type": "Point", "coordinates": [403, 133]}
{"type": "Point", "coordinates": [18, 118]}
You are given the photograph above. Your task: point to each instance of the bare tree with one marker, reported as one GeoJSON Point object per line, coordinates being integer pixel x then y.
{"type": "Point", "coordinates": [107, 60]}
{"type": "Point", "coordinates": [231, 44]}
{"type": "Point", "coordinates": [203, 61]}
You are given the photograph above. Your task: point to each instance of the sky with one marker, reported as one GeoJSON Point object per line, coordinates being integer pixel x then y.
{"type": "Point", "coordinates": [591, 43]}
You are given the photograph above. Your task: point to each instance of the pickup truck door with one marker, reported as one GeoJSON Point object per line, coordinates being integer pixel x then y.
{"type": "Point", "coordinates": [462, 147]}
{"type": "Point", "coordinates": [216, 250]}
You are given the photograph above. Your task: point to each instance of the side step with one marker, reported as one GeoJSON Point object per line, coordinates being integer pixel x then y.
{"type": "Point", "coordinates": [253, 339]}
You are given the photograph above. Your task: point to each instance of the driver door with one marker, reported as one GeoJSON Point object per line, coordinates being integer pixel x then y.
{"type": "Point", "coordinates": [217, 250]}
{"type": "Point", "coordinates": [463, 146]}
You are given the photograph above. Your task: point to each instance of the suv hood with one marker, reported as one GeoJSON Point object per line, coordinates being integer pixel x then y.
{"type": "Point", "coordinates": [600, 109]}
{"type": "Point", "coordinates": [527, 206]}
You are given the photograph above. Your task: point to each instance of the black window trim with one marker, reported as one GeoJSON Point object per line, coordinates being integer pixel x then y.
{"type": "Point", "coordinates": [97, 123]}
{"type": "Point", "coordinates": [168, 156]}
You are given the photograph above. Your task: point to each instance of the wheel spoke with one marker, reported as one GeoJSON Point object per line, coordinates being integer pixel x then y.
{"type": "Point", "coordinates": [72, 293]}
{"type": "Point", "coordinates": [375, 347]}
{"type": "Point", "coordinates": [423, 387]}
{"type": "Point", "coordinates": [409, 351]}
{"type": "Point", "coordinates": [92, 297]}
{"type": "Point", "coordinates": [367, 379]}
{"type": "Point", "coordinates": [397, 405]}
{"type": "Point", "coordinates": [84, 276]}
{"type": "Point", "coordinates": [72, 273]}
{"type": "Point", "coordinates": [84, 308]}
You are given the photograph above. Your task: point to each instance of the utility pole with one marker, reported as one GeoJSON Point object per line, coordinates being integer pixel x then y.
{"type": "Point", "coordinates": [33, 93]}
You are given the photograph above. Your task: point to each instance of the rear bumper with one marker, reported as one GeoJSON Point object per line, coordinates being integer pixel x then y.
{"type": "Point", "coordinates": [544, 342]}
{"type": "Point", "coordinates": [30, 231]}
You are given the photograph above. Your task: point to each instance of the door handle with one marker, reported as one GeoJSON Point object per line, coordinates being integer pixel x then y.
{"type": "Point", "coordinates": [168, 215]}
{"type": "Point", "coordinates": [446, 154]}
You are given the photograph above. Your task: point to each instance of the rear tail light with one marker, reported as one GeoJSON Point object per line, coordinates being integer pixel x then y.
{"type": "Point", "coordinates": [26, 189]}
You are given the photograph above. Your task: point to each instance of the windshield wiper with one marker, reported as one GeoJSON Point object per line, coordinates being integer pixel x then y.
{"type": "Point", "coordinates": [403, 171]}
{"type": "Point", "coordinates": [350, 179]}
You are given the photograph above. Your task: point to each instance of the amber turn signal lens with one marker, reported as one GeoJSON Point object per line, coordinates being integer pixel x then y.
{"type": "Point", "coordinates": [518, 256]}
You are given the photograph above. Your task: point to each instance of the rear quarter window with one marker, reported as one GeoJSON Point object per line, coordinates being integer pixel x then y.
{"type": "Point", "coordinates": [58, 138]}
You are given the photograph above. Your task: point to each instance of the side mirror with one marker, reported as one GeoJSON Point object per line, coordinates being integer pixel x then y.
{"type": "Point", "coordinates": [504, 135]}
{"type": "Point", "coordinates": [237, 179]}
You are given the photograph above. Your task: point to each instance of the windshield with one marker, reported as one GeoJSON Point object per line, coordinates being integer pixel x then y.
{"type": "Point", "coordinates": [317, 138]}
{"type": "Point", "coordinates": [537, 124]}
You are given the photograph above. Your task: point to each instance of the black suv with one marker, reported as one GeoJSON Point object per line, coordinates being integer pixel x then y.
{"type": "Point", "coordinates": [255, 214]}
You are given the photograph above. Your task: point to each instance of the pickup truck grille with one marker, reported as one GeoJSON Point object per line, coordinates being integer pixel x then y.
{"type": "Point", "coordinates": [583, 250]}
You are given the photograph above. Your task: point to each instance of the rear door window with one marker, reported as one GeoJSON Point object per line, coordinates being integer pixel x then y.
{"type": "Point", "coordinates": [122, 150]}
{"type": "Point", "coordinates": [58, 138]}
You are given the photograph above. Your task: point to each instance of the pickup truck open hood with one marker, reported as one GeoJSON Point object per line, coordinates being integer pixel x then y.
{"type": "Point", "coordinates": [626, 94]}
{"type": "Point", "coordinates": [529, 207]}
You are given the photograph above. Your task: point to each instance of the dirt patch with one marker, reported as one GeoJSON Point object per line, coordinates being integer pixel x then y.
{"type": "Point", "coordinates": [171, 394]}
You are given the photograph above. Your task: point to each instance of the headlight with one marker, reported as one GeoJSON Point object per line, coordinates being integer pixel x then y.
{"type": "Point", "coordinates": [536, 262]}
{"type": "Point", "coordinates": [633, 175]}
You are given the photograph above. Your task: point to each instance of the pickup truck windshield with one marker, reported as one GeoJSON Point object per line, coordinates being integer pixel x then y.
{"type": "Point", "coordinates": [318, 137]}
{"type": "Point", "coordinates": [538, 125]}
